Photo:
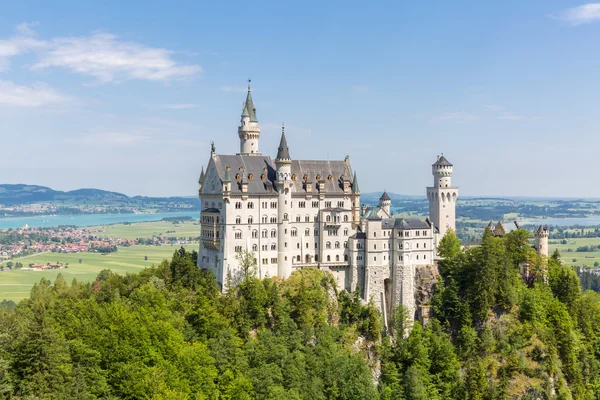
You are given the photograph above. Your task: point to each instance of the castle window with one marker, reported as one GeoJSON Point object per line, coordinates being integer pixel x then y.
{"type": "Point", "coordinates": [274, 219]}
{"type": "Point", "coordinates": [417, 245]}
{"type": "Point", "coordinates": [328, 218]}
{"type": "Point", "coordinates": [265, 247]}
{"type": "Point", "coordinates": [298, 259]}
{"type": "Point", "coordinates": [264, 219]}
{"type": "Point", "coordinates": [340, 204]}
{"type": "Point", "coordinates": [254, 234]}
{"type": "Point", "coordinates": [424, 245]}
{"type": "Point", "coordinates": [374, 234]}
{"type": "Point", "coordinates": [302, 204]}
{"type": "Point", "coordinates": [375, 258]}
{"type": "Point", "coordinates": [297, 245]}
{"type": "Point", "coordinates": [327, 204]}
{"type": "Point", "coordinates": [306, 245]}
{"type": "Point", "coordinates": [316, 232]}
{"type": "Point", "coordinates": [265, 260]}
{"type": "Point", "coordinates": [273, 233]}
{"type": "Point", "coordinates": [250, 220]}
{"type": "Point", "coordinates": [345, 257]}
{"type": "Point", "coordinates": [273, 246]}
{"type": "Point", "coordinates": [238, 249]}
{"type": "Point", "coordinates": [238, 220]}
{"type": "Point", "coordinates": [345, 232]}
{"type": "Point", "coordinates": [250, 205]}
{"type": "Point", "coordinates": [417, 256]}
{"type": "Point", "coordinates": [425, 257]}
{"type": "Point", "coordinates": [337, 245]}
{"type": "Point", "coordinates": [399, 246]}
{"type": "Point", "coordinates": [337, 258]}
{"type": "Point", "coordinates": [328, 258]}
{"type": "Point", "coordinates": [374, 247]}
{"type": "Point", "coordinates": [265, 233]}
{"type": "Point", "coordinates": [307, 232]}
{"type": "Point", "coordinates": [297, 218]}
{"type": "Point", "coordinates": [316, 258]}
{"type": "Point", "coordinates": [345, 218]}
{"type": "Point", "coordinates": [316, 218]}
{"type": "Point", "coordinates": [306, 218]}
{"type": "Point", "coordinates": [238, 234]}
{"type": "Point", "coordinates": [274, 260]}
{"type": "Point", "coordinates": [345, 245]}
{"type": "Point", "coordinates": [399, 258]}
{"type": "Point", "coordinates": [294, 232]}
{"type": "Point", "coordinates": [254, 247]}
{"type": "Point", "coordinates": [406, 234]}
{"type": "Point", "coordinates": [328, 245]}
{"type": "Point", "coordinates": [315, 204]}
{"type": "Point", "coordinates": [238, 205]}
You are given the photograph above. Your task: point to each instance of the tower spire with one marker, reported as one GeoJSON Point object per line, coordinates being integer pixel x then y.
{"type": "Point", "coordinates": [283, 153]}
{"type": "Point", "coordinates": [249, 131]}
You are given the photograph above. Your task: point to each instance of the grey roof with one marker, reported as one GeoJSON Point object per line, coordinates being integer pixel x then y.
{"type": "Point", "coordinates": [201, 179]}
{"type": "Point", "coordinates": [404, 223]}
{"type": "Point", "coordinates": [255, 165]}
{"type": "Point", "coordinates": [384, 196]}
{"type": "Point", "coordinates": [249, 109]}
{"type": "Point", "coordinates": [355, 188]}
{"type": "Point", "coordinates": [442, 161]}
{"type": "Point", "coordinates": [211, 210]}
{"type": "Point", "coordinates": [283, 151]}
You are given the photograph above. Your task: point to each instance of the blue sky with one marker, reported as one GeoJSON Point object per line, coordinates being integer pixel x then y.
{"type": "Point", "coordinates": [127, 96]}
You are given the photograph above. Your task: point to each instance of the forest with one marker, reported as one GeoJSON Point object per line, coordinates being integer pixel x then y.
{"type": "Point", "coordinates": [505, 324]}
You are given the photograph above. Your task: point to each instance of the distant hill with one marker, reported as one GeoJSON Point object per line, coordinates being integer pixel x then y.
{"type": "Point", "coordinates": [21, 194]}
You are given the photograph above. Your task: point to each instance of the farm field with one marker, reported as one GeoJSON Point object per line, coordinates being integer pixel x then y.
{"type": "Point", "coordinates": [568, 257]}
{"type": "Point", "coordinates": [16, 284]}
{"type": "Point", "coordinates": [150, 229]}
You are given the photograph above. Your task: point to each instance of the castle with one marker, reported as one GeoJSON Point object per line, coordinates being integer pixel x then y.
{"type": "Point", "coordinates": [293, 214]}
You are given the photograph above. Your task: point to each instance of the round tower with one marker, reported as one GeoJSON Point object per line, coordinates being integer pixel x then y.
{"type": "Point", "coordinates": [249, 130]}
{"type": "Point", "coordinates": [442, 196]}
{"type": "Point", "coordinates": [283, 183]}
{"type": "Point", "coordinates": [541, 240]}
{"type": "Point", "coordinates": [385, 202]}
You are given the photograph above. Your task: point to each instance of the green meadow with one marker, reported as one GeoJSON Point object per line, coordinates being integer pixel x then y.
{"type": "Point", "coordinates": [574, 257]}
{"type": "Point", "coordinates": [149, 229]}
{"type": "Point", "coordinates": [16, 284]}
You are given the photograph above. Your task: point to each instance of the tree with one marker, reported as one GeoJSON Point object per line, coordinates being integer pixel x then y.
{"type": "Point", "coordinates": [145, 258]}
{"type": "Point", "coordinates": [247, 262]}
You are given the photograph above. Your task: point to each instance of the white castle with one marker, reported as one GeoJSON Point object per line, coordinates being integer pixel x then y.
{"type": "Point", "coordinates": [293, 214]}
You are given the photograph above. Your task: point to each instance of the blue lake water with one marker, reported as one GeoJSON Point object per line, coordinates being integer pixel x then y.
{"type": "Point", "coordinates": [562, 221]}
{"type": "Point", "coordinates": [89, 220]}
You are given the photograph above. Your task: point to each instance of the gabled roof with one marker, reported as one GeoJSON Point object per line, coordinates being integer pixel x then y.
{"type": "Point", "coordinates": [442, 161]}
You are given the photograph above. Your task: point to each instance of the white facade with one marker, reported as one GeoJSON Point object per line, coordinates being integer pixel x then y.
{"type": "Point", "coordinates": [442, 196]}
{"type": "Point", "coordinates": [293, 214]}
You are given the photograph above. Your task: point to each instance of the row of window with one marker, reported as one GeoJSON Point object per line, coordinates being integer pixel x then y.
{"type": "Point", "coordinates": [400, 234]}
{"type": "Point", "coordinates": [273, 204]}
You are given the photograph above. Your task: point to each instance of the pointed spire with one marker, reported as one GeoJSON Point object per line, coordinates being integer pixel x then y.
{"type": "Point", "coordinates": [355, 188]}
{"type": "Point", "coordinates": [384, 196]}
{"type": "Point", "coordinates": [283, 151]}
{"type": "Point", "coordinates": [249, 110]}
{"type": "Point", "coordinates": [227, 177]}
{"type": "Point", "coordinates": [201, 176]}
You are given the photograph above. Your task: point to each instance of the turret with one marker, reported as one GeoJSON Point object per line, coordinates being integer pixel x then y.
{"type": "Point", "coordinates": [541, 240]}
{"type": "Point", "coordinates": [442, 196]}
{"type": "Point", "coordinates": [201, 181]}
{"type": "Point", "coordinates": [249, 130]}
{"type": "Point", "coordinates": [355, 202]}
{"type": "Point", "coordinates": [385, 202]}
{"type": "Point", "coordinates": [283, 183]}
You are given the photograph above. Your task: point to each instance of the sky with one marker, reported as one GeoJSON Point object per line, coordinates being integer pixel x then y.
{"type": "Point", "coordinates": [127, 96]}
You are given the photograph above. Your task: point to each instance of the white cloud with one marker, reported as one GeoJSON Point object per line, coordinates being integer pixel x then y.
{"type": "Point", "coordinates": [456, 116]}
{"type": "Point", "coordinates": [37, 95]}
{"type": "Point", "coordinates": [234, 89]}
{"type": "Point", "coordinates": [583, 14]}
{"type": "Point", "coordinates": [103, 56]}
{"type": "Point", "coordinates": [510, 116]}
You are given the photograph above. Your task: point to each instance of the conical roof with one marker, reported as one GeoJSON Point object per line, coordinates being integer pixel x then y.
{"type": "Point", "coordinates": [442, 161]}
{"type": "Point", "coordinates": [249, 110]}
{"type": "Point", "coordinates": [283, 151]}
{"type": "Point", "coordinates": [201, 176]}
{"type": "Point", "coordinates": [384, 196]}
{"type": "Point", "coordinates": [355, 188]}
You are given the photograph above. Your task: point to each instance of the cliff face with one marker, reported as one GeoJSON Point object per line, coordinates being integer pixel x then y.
{"type": "Point", "coordinates": [426, 278]}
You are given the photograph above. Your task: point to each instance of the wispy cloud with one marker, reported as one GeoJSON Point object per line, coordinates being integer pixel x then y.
{"type": "Point", "coordinates": [510, 116]}
{"type": "Point", "coordinates": [36, 95]}
{"type": "Point", "coordinates": [234, 89]}
{"type": "Point", "coordinates": [103, 56]}
{"type": "Point", "coordinates": [583, 14]}
{"type": "Point", "coordinates": [456, 116]}
{"type": "Point", "coordinates": [503, 113]}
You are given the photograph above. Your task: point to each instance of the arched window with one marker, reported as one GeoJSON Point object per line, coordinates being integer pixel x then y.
{"type": "Point", "coordinates": [294, 232]}
{"type": "Point", "coordinates": [328, 258]}
{"type": "Point", "coordinates": [298, 259]}
{"type": "Point", "coordinates": [297, 218]}
{"type": "Point", "coordinates": [238, 220]}
{"type": "Point", "coordinates": [345, 257]}
{"type": "Point", "coordinates": [250, 220]}
{"type": "Point", "coordinates": [328, 218]}
{"type": "Point", "coordinates": [273, 247]}
{"type": "Point", "coordinates": [273, 233]}
{"type": "Point", "coordinates": [306, 218]}
{"type": "Point", "coordinates": [328, 245]}
{"type": "Point", "coordinates": [254, 234]}
{"type": "Point", "coordinates": [238, 234]}
{"type": "Point", "coordinates": [264, 219]}
{"type": "Point", "coordinates": [255, 247]}
{"type": "Point", "coordinates": [251, 205]}
{"type": "Point", "coordinates": [345, 218]}
{"type": "Point", "coordinates": [337, 245]}
{"type": "Point", "coordinates": [265, 233]}
{"type": "Point", "coordinates": [337, 257]}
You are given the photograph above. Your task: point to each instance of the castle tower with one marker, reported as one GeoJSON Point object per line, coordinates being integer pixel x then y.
{"type": "Point", "coordinates": [201, 181]}
{"type": "Point", "coordinates": [385, 203]}
{"type": "Point", "coordinates": [283, 164]}
{"type": "Point", "coordinates": [442, 196]}
{"type": "Point", "coordinates": [249, 131]}
{"type": "Point", "coordinates": [541, 240]}
{"type": "Point", "coordinates": [355, 202]}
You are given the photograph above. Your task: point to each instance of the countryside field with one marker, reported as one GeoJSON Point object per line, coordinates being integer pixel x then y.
{"type": "Point", "coordinates": [16, 284]}
{"type": "Point", "coordinates": [149, 229]}
{"type": "Point", "coordinates": [577, 258]}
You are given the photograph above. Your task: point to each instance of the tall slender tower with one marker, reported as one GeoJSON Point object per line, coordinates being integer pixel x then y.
{"type": "Point", "coordinates": [541, 240]}
{"type": "Point", "coordinates": [385, 202]}
{"type": "Point", "coordinates": [283, 163]}
{"type": "Point", "coordinates": [442, 196]}
{"type": "Point", "coordinates": [249, 131]}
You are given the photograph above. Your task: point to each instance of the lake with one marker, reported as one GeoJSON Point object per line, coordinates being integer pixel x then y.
{"type": "Point", "coordinates": [592, 221]}
{"type": "Point", "coordinates": [89, 220]}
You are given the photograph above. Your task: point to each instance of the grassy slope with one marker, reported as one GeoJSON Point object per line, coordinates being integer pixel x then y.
{"type": "Point", "coordinates": [149, 229]}
{"type": "Point", "coordinates": [579, 256]}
